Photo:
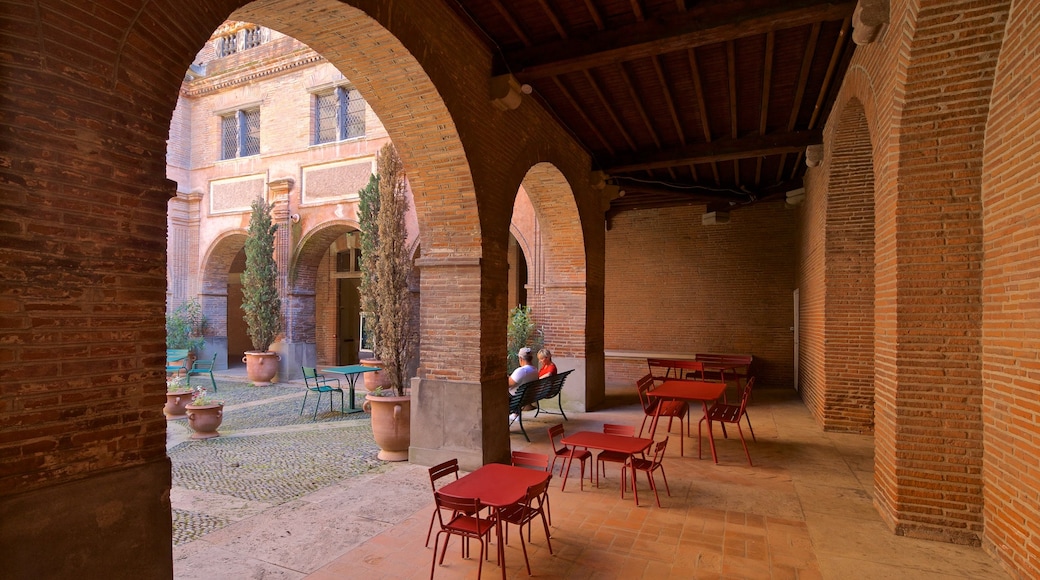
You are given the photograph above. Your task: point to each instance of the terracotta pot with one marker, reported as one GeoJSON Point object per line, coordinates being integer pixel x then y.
{"type": "Point", "coordinates": [391, 425]}
{"type": "Point", "coordinates": [375, 379]}
{"type": "Point", "coordinates": [261, 367]}
{"type": "Point", "coordinates": [176, 404]}
{"type": "Point", "coordinates": [204, 420]}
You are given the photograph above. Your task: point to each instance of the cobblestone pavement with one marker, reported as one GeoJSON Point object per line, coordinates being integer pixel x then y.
{"type": "Point", "coordinates": [268, 454]}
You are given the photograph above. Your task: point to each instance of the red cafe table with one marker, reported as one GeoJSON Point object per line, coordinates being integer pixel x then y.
{"type": "Point", "coordinates": [497, 486]}
{"type": "Point", "coordinates": [703, 391]}
{"type": "Point", "coordinates": [604, 442]}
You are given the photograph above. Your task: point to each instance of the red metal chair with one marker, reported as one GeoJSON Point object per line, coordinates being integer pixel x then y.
{"type": "Point", "coordinates": [462, 525]}
{"type": "Point", "coordinates": [613, 456]}
{"type": "Point", "coordinates": [670, 409]}
{"type": "Point", "coordinates": [437, 472]}
{"type": "Point", "coordinates": [649, 466]}
{"type": "Point", "coordinates": [524, 512]}
{"type": "Point", "coordinates": [556, 431]}
{"type": "Point", "coordinates": [538, 461]}
{"type": "Point", "coordinates": [724, 413]}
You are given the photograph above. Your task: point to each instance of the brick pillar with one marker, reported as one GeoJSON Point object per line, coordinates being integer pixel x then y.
{"type": "Point", "coordinates": [456, 412]}
{"type": "Point", "coordinates": [293, 353]}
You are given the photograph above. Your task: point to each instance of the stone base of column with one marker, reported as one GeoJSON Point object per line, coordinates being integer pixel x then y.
{"type": "Point", "coordinates": [462, 420]}
{"type": "Point", "coordinates": [113, 524]}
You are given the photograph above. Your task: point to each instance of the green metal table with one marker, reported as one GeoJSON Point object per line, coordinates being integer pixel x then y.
{"type": "Point", "coordinates": [351, 372]}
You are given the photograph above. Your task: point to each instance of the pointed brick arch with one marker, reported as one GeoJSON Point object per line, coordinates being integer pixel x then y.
{"type": "Point", "coordinates": [849, 276]}
{"type": "Point", "coordinates": [213, 293]}
{"type": "Point", "coordinates": [1011, 220]}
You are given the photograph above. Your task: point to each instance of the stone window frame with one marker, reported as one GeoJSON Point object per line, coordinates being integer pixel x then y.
{"type": "Point", "coordinates": [240, 132]}
{"type": "Point", "coordinates": [344, 108]}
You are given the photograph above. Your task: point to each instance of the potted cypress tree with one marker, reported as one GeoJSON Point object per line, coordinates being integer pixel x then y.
{"type": "Point", "coordinates": [386, 269]}
{"type": "Point", "coordinates": [260, 301]}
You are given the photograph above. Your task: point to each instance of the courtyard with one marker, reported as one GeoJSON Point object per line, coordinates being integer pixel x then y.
{"type": "Point", "coordinates": [282, 495]}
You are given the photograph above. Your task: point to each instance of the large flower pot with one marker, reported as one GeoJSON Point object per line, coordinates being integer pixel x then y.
{"type": "Point", "coordinates": [391, 425]}
{"type": "Point", "coordinates": [375, 379]}
{"type": "Point", "coordinates": [204, 420]}
{"type": "Point", "coordinates": [261, 367]}
{"type": "Point", "coordinates": [176, 405]}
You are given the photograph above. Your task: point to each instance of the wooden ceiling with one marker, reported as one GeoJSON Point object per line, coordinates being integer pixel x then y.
{"type": "Point", "coordinates": [679, 102]}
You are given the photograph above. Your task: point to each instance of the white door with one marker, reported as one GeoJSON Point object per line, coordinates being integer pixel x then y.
{"type": "Point", "coordinates": [794, 329]}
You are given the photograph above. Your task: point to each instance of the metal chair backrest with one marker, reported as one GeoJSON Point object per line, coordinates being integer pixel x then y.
{"type": "Point", "coordinates": [643, 385]}
{"type": "Point", "coordinates": [528, 459]}
{"type": "Point", "coordinates": [659, 453]}
{"type": "Point", "coordinates": [310, 374]}
{"type": "Point", "coordinates": [554, 432]}
{"type": "Point", "coordinates": [746, 396]}
{"type": "Point", "coordinates": [443, 470]}
{"type": "Point", "coordinates": [623, 430]}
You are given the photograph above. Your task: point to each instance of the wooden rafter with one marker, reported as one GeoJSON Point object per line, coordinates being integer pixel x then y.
{"type": "Point", "coordinates": [581, 111]}
{"type": "Point", "coordinates": [702, 106]}
{"type": "Point", "coordinates": [706, 24]}
{"type": "Point", "coordinates": [731, 74]}
{"type": "Point", "coordinates": [610, 110]}
{"type": "Point", "coordinates": [637, 10]}
{"type": "Point", "coordinates": [551, 15]}
{"type": "Point", "coordinates": [594, 14]}
{"type": "Point", "coordinates": [722, 150]}
{"type": "Point", "coordinates": [839, 48]}
{"type": "Point", "coordinates": [513, 24]}
{"type": "Point", "coordinates": [668, 99]}
{"type": "Point", "coordinates": [639, 106]}
{"type": "Point", "coordinates": [767, 82]}
{"type": "Point", "coordinates": [799, 95]}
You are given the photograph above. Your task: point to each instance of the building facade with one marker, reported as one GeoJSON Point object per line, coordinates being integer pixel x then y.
{"type": "Point", "coordinates": [913, 256]}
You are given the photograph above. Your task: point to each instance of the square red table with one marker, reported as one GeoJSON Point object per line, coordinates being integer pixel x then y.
{"type": "Point", "coordinates": [703, 391]}
{"type": "Point", "coordinates": [497, 486]}
{"type": "Point", "coordinates": [605, 442]}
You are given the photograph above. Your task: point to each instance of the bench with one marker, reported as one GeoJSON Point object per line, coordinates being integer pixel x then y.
{"type": "Point", "coordinates": [176, 360]}
{"type": "Point", "coordinates": [738, 365]}
{"type": "Point", "coordinates": [531, 393]}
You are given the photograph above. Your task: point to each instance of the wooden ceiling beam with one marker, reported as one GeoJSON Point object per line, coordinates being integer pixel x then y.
{"type": "Point", "coordinates": [703, 25]}
{"type": "Point", "coordinates": [722, 150]}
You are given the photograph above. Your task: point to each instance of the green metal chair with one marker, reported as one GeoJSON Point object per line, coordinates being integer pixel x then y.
{"type": "Point", "coordinates": [176, 360]}
{"type": "Point", "coordinates": [317, 383]}
{"type": "Point", "coordinates": [203, 367]}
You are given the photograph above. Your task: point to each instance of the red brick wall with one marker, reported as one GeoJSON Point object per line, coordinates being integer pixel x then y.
{"type": "Point", "coordinates": [1010, 342]}
{"type": "Point", "coordinates": [924, 86]}
{"type": "Point", "coordinates": [676, 286]}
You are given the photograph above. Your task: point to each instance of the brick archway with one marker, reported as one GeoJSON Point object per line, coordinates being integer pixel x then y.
{"type": "Point", "coordinates": [557, 273]}
{"type": "Point", "coordinates": [213, 289]}
{"type": "Point", "coordinates": [1010, 218]}
{"type": "Point", "coordinates": [848, 402]}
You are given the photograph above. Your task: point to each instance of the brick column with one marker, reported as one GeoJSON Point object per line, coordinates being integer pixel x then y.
{"type": "Point", "coordinates": [456, 412]}
{"type": "Point", "coordinates": [293, 353]}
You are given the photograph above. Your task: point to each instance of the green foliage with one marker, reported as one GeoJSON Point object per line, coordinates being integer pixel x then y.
{"type": "Point", "coordinates": [522, 331]}
{"type": "Point", "coordinates": [260, 301]}
{"type": "Point", "coordinates": [386, 265]}
{"type": "Point", "coordinates": [185, 327]}
{"type": "Point", "coordinates": [368, 211]}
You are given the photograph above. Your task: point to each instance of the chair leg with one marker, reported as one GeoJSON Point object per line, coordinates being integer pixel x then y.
{"type": "Point", "coordinates": [213, 381]}
{"type": "Point", "coordinates": [749, 426]}
{"type": "Point", "coordinates": [523, 545]}
{"type": "Point", "coordinates": [430, 531]}
{"type": "Point", "coordinates": [653, 485]}
{"type": "Point", "coordinates": [302, 407]}
{"type": "Point", "coordinates": [318, 404]}
{"type": "Point", "coordinates": [744, 443]}
{"type": "Point", "coordinates": [665, 478]}
{"type": "Point", "coordinates": [643, 424]}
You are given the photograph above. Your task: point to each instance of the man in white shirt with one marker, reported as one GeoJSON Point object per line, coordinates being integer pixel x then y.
{"type": "Point", "coordinates": [525, 373]}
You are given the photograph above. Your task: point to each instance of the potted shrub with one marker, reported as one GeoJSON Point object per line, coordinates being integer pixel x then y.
{"type": "Point", "coordinates": [386, 268]}
{"type": "Point", "coordinates": [205, 415]}
{"type": "Point", "coordinates": [521, 332]}
{"type": "Point", "coordinates": [185, 327]}
{"type": "Point", "coordinates": [178, 395]}
{"type": "Point", "coordinates": [260, 301]}
{"type": "Point", "coordinates": [368, 210]}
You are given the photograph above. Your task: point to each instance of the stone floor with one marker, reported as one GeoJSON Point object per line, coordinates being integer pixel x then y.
{"type": "Point", "coordinates": [306, 499]}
